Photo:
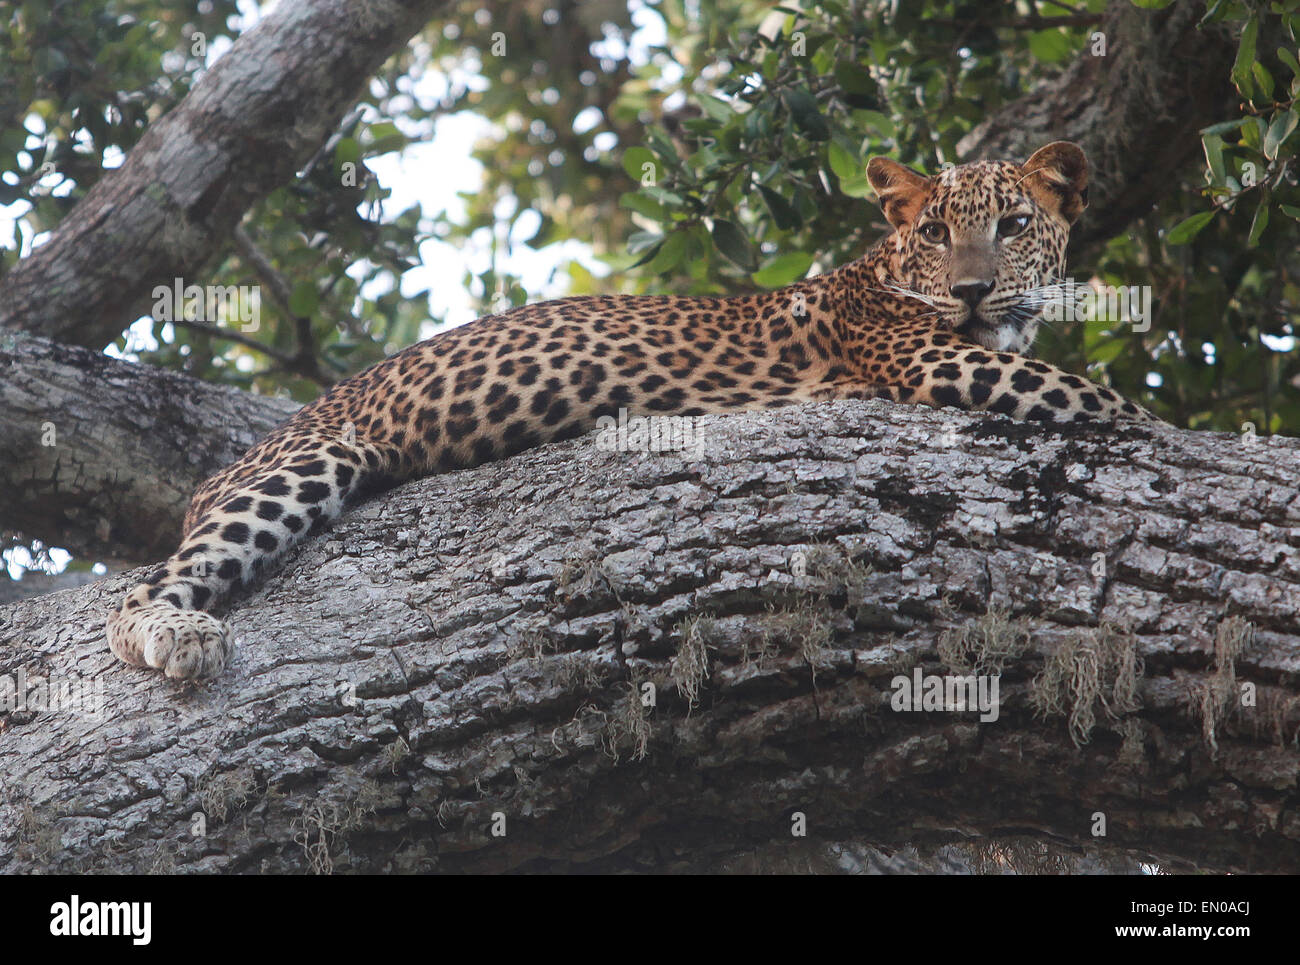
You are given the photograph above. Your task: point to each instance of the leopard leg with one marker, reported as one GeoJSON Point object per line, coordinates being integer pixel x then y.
{"type": "Point", "coordinates": [240, 522]}
{"type": "Point", "coordinates": [976, 378]}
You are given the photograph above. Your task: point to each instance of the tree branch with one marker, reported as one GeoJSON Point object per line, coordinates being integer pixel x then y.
{"type": "Point", "coordinates": [471, 652]}
{"type": "Point", "coordinates": [259, 113]}
{"type": "Point", "coordinates": [304, 362]}
{"type": "Point", "coordinates": [230, 335]}
{"type": "Point", "coordinates": [100, 456]}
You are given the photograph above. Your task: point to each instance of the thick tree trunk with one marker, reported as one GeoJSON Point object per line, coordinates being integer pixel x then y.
{"type": "Point", "coordinates": [100, 456]}
{"type": "Point", "coordinates": [1136, 110]}
{"type": "Point", "coordinates": [253, 119]}
{"type": "Point", "coordinates": [470, 654]}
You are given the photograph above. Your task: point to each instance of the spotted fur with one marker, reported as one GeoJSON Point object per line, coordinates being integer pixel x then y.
{"type": "Point", "coordinates": [935, 313]}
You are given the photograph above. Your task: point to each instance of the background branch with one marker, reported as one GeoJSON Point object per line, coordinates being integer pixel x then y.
{"type": "Point", "coordinates": [100, 456]}
{"type": "Point", "coordinates": [261, 111]}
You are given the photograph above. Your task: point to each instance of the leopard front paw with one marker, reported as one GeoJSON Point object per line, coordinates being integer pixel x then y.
{"type": "Point", "coordinates": [183, 644]}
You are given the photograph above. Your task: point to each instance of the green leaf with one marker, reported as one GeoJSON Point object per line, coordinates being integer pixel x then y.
{"type": "Point", "coordinates": [1241, 67]}
{"type": "Point", "coordinates": [344, 348]}
{"type": "Point", "coordinates": [783, 269]}
{"type": "Point", "coordinates": [876, 121]}
{"type": "Point", "coordinates": [1259, 224]}
{"type": "Point", "coordinates": [670, 253]}
{"type": "Point", "coordinates": [732, 242]}
{"type": "Point", "coordinates": [635, 201]}
{"type": "Point", "coordinates": [1188, 229]}
{"type": "Point", "coordinates": [1223, 127]}
{"type": "Point", "coordinates": [649, 255]}
{"type": "Point", "coordinates": [1253, 130]}
{"type": "Point", "coordinates": [384, 138]}
{"type": "Point", "coordinates": [545, 233]}
{"type": "Point", "coordinates": [1213, 145]}
{"type": "Point", "coordinates": [758, 123]}
{"type": "Point", "coordinates": [716, 109]}
{"type": "Point", "coordinates": [854, 79]}
{"type": "Point", "coordinates": [304, 299]}
{"type": "Point", "coordinates": [665, 152]}
{"type": "Point", "coordinates": [1279, 131]}
{"type": "Point", "coordinates": [1107, 350]}
{"type": "Point", "coordinates": [634, 161]}
{"type": "Point", "coordinates": [1152, 4]}
{"type": "Point", "coordinates": [1050, 46]}
{"type": "Point", "coordinates": [382, 130]}
{"type": "Point", "coordinates": [1215, 13]}
{"type": "Point", "coordinates": [857, 187]}
{"type": "Point", "coordinates": [1290, 210]}
{"type": "Point", "coordinates": [347, 150]}
{"type": "Point", "coordinates": [843, 162]}
{"type": "Point", "coordinates": [1289, 59]}
{"type": "Point", "coordinates": [639, 241]}
{"type": "Point", "coordinates": [783, 213]}
{"type": "Point", "coordinates": [1263, 78]}
{"type": "Point", "coordinates": [806, 204]}
{"type": "Point", "coordinates": [807, 117]}
{"type": "Point", "coordinates": [663, 197]}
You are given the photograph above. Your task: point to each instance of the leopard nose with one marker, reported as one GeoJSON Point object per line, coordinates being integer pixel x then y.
{"type": "Point", "coordinates": [971, 291]}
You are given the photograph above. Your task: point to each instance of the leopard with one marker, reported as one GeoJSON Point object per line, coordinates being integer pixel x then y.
{"type": "Point", "coordinates": [942, 311]}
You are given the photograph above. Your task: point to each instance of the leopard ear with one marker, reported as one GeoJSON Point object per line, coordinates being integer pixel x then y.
{"type": "Point", "coordinates": [1057, 177]}
{"type": "Point", "coordinates": [902, 192]}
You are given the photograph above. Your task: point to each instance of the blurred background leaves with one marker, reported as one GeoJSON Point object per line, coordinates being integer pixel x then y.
{"type": "Point", "coordinates": [687, 150]}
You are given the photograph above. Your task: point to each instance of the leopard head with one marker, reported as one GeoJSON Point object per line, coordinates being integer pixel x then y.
{"type": "Point", "coordinates": [982, 244]}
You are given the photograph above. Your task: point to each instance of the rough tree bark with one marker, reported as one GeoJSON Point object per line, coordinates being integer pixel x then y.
{"type": "Point", "coordinates": [472, 649]}
{"type": "Point", "coordinates": [1136, 111]}
{"type": "Point", "coordinates": [253, 119]}
{"type": "Point", "coordinates": [101, 456]}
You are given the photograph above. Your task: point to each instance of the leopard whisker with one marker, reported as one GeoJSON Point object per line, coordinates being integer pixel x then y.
{"type": "Point", "coordinates": [891, 289]}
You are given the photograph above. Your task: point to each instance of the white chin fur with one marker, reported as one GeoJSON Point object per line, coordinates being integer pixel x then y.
{"type": "Point", "coordinates": [1007, 338]}
{"type": "Point", "coordinates": [1004, 338]}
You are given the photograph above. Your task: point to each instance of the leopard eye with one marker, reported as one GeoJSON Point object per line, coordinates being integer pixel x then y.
{"type": "Point", "coordinates": [1011, 226]}
{"type": "Point", "coordinates": [935, 232]}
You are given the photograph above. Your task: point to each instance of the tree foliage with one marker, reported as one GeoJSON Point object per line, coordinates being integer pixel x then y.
{"type": "Point", "coordinates": [772, 180]}
{"type": "Point", "coordinates": [727, 153]}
